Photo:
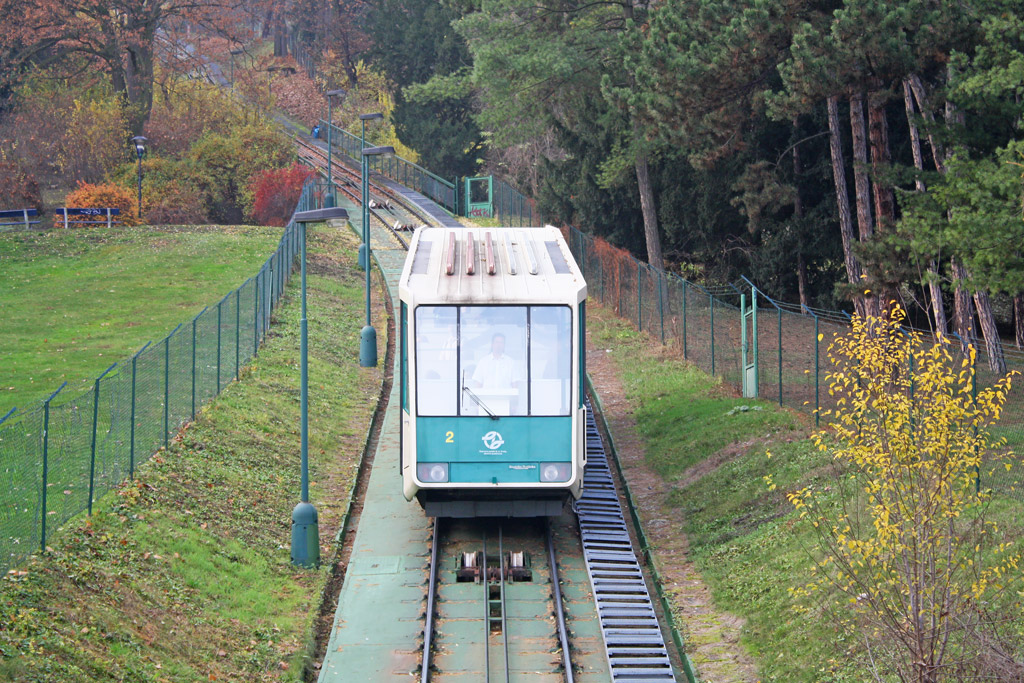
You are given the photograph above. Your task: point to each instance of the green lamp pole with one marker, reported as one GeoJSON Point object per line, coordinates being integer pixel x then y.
{"type": "Point", "coordinates": [368, 335]}
{"type": "Point", "coordinates": [233, 54]}
{"type": "Point", "coordinates": [329, 198]}
{"type": "Point", "coordinates": [305, 525]}
{"type": "Point", "coordinates": [364, 249]}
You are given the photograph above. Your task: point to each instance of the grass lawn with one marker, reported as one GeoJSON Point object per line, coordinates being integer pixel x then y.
{"type": "Point", "coordinates": [749, 546]}
{"type": "Point", "coordinates": [185, 574]}
{"type": "Point", "coordinates": [75, 301]}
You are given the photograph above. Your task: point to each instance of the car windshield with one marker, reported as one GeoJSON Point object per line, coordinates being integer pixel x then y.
{"type": "Point", "coordinates": [493, 360]}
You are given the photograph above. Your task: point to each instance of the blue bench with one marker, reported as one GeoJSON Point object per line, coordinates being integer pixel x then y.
{"type": "Point", "coordinates": [99, 216]}
{"type": "Point", "coordinates": [18, 217]}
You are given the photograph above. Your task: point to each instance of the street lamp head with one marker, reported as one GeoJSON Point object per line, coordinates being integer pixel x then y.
{"type": "Point", "coordinates": [371, 117]}
{"type": "Point", "coordinates": [340, 92]}
{"type": "Point", "coordinates": [140, 146]}
{"type": "Point", "coordinates": [237, 51]}
{"type": "Point", "coordinates": [383, 151]}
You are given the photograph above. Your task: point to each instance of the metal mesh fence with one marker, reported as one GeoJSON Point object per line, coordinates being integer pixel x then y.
{"type": "Point", "coordinates": [788, 353]}
{"type": "Point", "coordinates": [61, 455]}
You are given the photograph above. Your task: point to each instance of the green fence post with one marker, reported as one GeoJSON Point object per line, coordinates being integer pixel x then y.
{"type": "Point", "coordinates": [817, 403]}
{"type": "Point", "coordinates": [194, 364]}
{"type": "Point", "coordinates": [661, 305]}
{"type": "Point", "coordinates": [639, 296]}
{"type": "Point", "coordinates": [238, 326]}
{"type": "Point", "coordinates": [167, 384]}
{"type": "Point", "coordinates": [974, 400]}
{"type": "Point", "coordinates": [618, 303]}
{"type": "Point", "coordinates": [711, 304]}
{"type": "Point", "coordinates": [778, 312]}
{"type": "Point", "coordinates": [131, 447]}
{"type": "Point", "coordinates": [255, 315]}
{"type": "Point", "coordinates": [743, 344]}
{"type": "Point", "coordinates": [92, 447]}
{"type": "Point", "coordinates": [218, 345]}
{"type": "Point", "coordinates": [46, 461]}
{"type": "Point", "coordinates": [684, 319]}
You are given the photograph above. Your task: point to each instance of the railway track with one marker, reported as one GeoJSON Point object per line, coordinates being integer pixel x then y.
{"type": "Point", "coordinates": [516, 599]}
{"type": "Point", "coordinates": [533, 638]}
{"type": "Point", "coordinates": [494, 623]}
{"type": "Point", "coordinates": [387, 208]}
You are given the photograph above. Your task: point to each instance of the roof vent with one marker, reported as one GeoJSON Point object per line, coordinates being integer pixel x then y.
{"type": "Point", "coordinates": [449, 262]}
{"type": "Point", "coordinates": [489, 253]}
{"type": "Point", "coordinates": [470, 254]}
{"type": "Point", "coordinates": [557, 258]}
{"type": "Point", "coordinates": [422, 257]}
{"type": "Point", "coordinates": [511, 255]}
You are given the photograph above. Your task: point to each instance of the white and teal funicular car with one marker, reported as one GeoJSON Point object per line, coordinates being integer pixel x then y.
{"type": "Point", "coordinates": [492, 366]}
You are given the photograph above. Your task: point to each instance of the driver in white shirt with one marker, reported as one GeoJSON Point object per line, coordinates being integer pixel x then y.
{"type": "Point", "coordinates": [495, 370]}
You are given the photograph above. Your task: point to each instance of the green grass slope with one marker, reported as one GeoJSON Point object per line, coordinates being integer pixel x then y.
{"type": "Point", "coordinates": [185, 573]}
{"type": "Point", "coordinates": [711, 449]}
{"type": "Point", "coordinates": [75, 301]}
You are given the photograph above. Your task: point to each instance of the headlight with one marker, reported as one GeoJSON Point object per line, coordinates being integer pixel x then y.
{"type": "Point", "coordinates": [555, 471]}
{"type": "Point", "coordinates": [432, 472]}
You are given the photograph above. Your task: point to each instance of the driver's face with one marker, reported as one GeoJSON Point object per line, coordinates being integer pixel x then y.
{"type": "Point", "coordinates": [498, 346]}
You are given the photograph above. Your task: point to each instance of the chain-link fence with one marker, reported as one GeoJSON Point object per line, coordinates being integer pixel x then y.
{"type": "Point", "coordinates": [61, 455]}
{"type": "Point", "coordinates": [781, 355]}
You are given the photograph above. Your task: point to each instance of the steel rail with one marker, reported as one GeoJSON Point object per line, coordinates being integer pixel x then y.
{"type": "Point", "coordinates": [318, 157]}
{"type": "Point", "coordinates": [504, 612]}
{"type": "Point", "coordinates": [487, 613]}
{"type": "Point", "coordinates": [428, 628]}
{"type": "Point", "coordinates": [556, 590]}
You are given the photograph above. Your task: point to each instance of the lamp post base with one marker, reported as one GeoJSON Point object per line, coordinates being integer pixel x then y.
{"type": "Point", "coordinates": [368, 347]}
{"type": "Point", "coordinates": [329, 200]}
{"type": "Point", "coordinates": [305, 536]}
{"type": "Point", "coordinates": [361, 261]}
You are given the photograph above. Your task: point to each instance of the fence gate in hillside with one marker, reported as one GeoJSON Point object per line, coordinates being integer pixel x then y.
{"type": "Point", "coordinates": [480, 197]}
{"type": "Point", "coordinates": [748, 344]}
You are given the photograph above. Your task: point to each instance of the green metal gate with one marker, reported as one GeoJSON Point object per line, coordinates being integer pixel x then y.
{"type": "Point", "coordinates": [480, 197]}
{"type": "Point", "coordinates": [748, 344]}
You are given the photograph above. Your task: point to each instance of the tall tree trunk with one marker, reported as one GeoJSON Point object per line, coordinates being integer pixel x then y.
{"type": "Point", "coordinates": [934, 288]}
{"type": "Point", "coordinates": [853, 271]}
{"type": "Point", "coordinates": [1018, 319]}
{"type": "Point", "coordinates": [881, 192]}
{"type": "Point", "coordinates": [643, 180]}
{"type": "Point", "coordinates": [918, 89]}
{"type": "Point", "coordinates": [865, 223]}
{"type": "Point", "coordinates": [993, 345]}
{"type": "Point", "coordinates": [963, 309]}
{"type": "Point", "coordinates": [986, 319]}
{"type": "Point", "coordinates": [881, 157]}
{"type": "Point", "coordinates": [798, 213]}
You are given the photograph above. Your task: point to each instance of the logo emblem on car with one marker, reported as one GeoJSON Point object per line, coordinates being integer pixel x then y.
{"type": "Point", "coordinates": [493, 441]}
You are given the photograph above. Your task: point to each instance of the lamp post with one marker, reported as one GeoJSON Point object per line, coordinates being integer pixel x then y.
{"type": "Point", "coordinates": [364, 251]}
{"type": "Point", "coordinates": [139, 142]}
{"type": "Point", "coordinates": [329, 199]}
{"type": "Point", "coordinates": [368, 335]}
{"type": "Point", "coordinates": [305, 525]}
{"type": "Point", "coordinates": [234, 53]}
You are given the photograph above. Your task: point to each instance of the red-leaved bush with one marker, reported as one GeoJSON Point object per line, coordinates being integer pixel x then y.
{"type": "Point", "coordinates": [276, 192]}
{"type": "Point", "coordinates": [19, 189]}
{"type": "Point", "coordinates": [103, 196]}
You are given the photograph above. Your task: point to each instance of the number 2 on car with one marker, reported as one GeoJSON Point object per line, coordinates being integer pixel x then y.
{"type": "Point", "coordinates": [449, 436]}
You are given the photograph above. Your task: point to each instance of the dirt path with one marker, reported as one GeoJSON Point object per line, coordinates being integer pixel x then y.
{"type": "Point", "coordinates": [712, 636]}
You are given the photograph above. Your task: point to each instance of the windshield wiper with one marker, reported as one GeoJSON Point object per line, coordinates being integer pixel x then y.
{"type": "Point", "coordinates": [479, 402]}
